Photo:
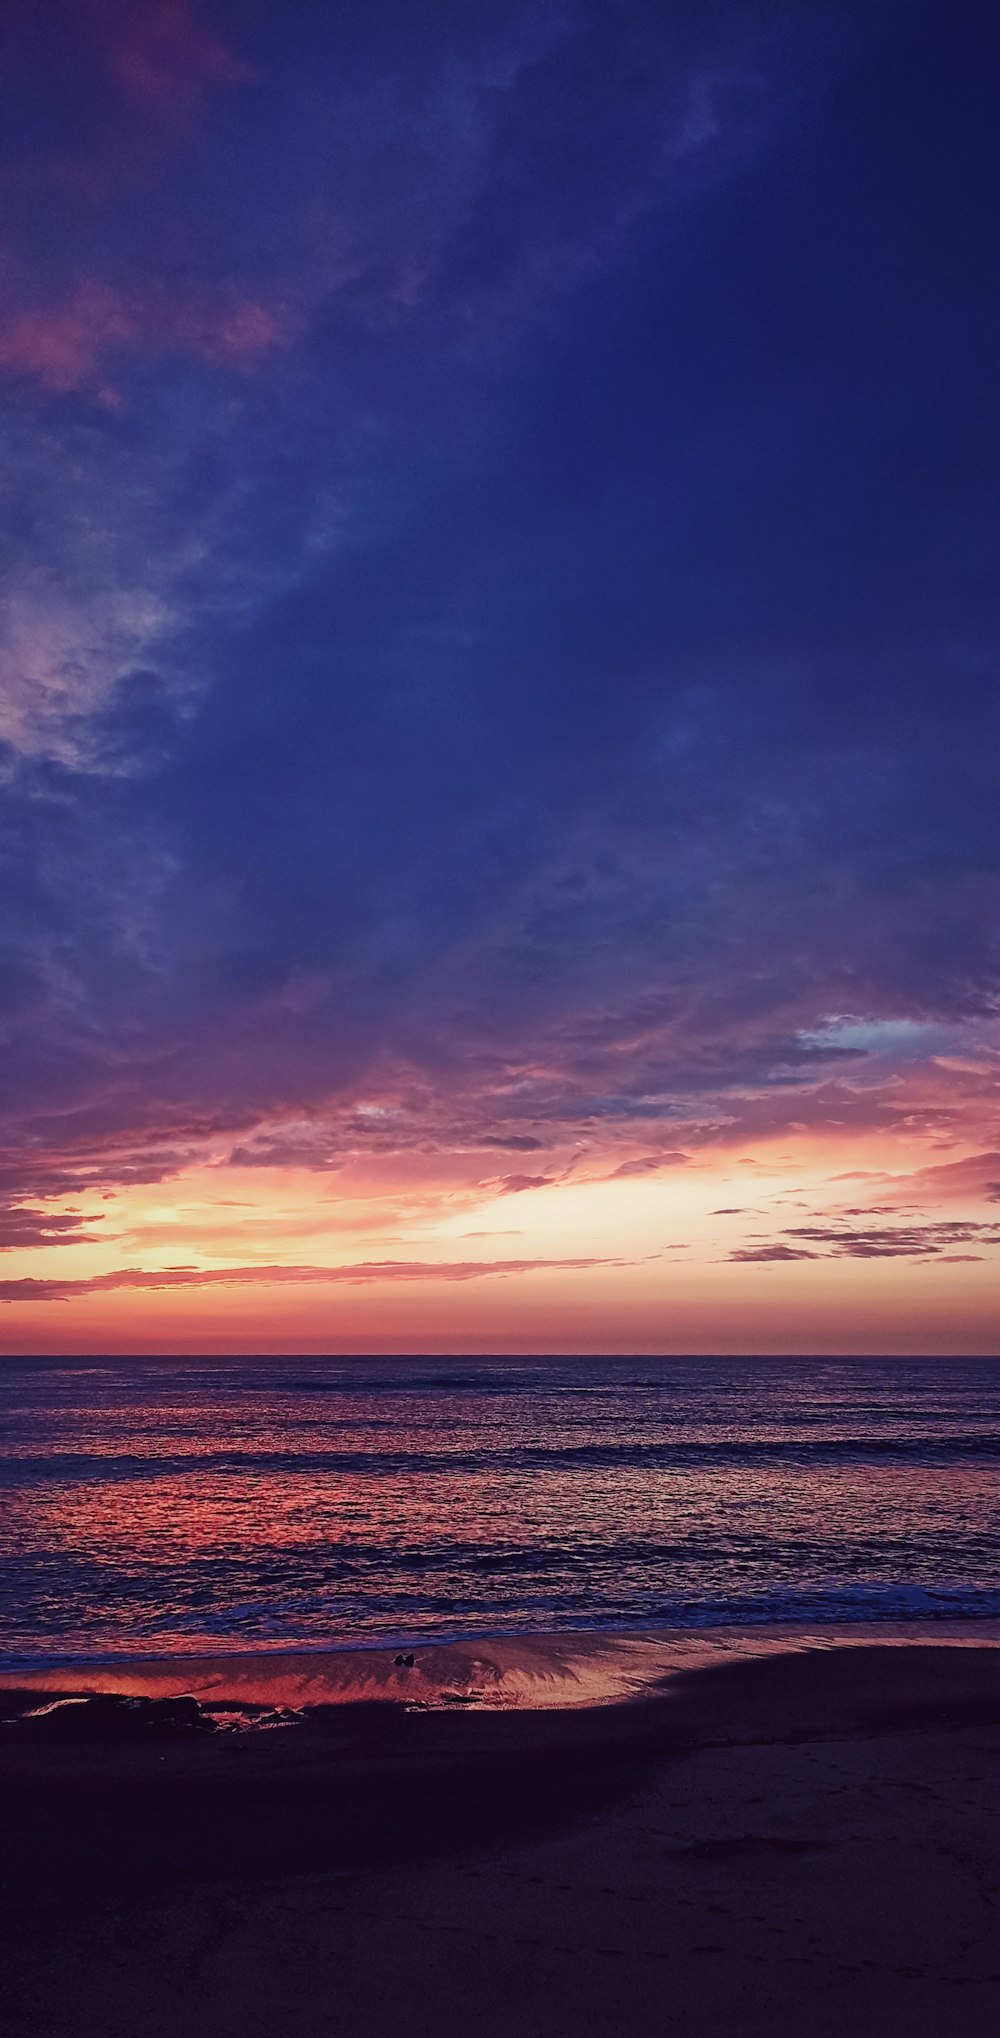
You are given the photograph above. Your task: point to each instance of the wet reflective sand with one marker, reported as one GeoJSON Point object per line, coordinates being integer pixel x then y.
{"type": "Point", "coordinates": [526, 1672]}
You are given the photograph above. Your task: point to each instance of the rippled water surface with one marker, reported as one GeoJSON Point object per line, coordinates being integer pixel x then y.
{"type": "Point", "coordinates": [182, 1504]}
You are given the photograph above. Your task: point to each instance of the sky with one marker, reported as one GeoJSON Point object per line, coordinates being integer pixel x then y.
{"type": "Point", "coordinates": [499, 721]}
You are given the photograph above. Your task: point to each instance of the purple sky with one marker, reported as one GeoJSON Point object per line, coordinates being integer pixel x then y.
{"type": "Point", "coordinates": [499, 647]}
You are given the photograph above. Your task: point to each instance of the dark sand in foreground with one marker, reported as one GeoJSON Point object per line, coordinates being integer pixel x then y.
{"type": "Point", "coordinates": [774, 1839]}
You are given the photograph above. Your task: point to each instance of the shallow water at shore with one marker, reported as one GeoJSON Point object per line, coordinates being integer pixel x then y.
{"type": "Point", "coordinates": [508, 1673]}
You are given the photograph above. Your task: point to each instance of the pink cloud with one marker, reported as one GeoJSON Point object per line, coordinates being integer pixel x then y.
{"type": "Point", "coordinates": [64, 346]}
{"type": "Point", "coordinates": [162, 54]}
{"type": "Point", "coordinates": [760, 1253]}
{"type": "Point", "coordinates": [22, 1225]}
{"type": "Point", "coordinates": [246, 330]}
{"type": "Point", "coordinates": [974, 1175]}
{"type": "Point", "coordinates": [61, 346]}
{"type": "Point", "coordinates": [233, 332]}
{"type": "Point", "coordinates": [649, 1164]}
{"type": "Point", "coordinates": [54, 1289]}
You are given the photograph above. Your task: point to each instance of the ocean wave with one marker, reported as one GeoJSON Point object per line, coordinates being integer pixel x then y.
{"type": "Point", "coordinates": [930, 1449]}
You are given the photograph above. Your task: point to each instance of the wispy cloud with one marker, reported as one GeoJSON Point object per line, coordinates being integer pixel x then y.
{"type": "Point", "coordinates": [886, 1242]}
{"type": "Point", "coordinates": [21, 1226]}
{"type": "Point", "coordinates": [33, 1288]}
{"type": "Point", "coordinates": [775, 1251]}
{"type": "Point", "coordinates": [162, 52]}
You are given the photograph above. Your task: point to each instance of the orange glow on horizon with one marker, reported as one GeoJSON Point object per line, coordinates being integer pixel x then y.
{"type": "Point", "coordinates": [607, 1253]}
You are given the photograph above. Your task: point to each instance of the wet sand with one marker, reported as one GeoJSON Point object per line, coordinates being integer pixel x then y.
{"type": "Point", "coordinates": [740, 1835]}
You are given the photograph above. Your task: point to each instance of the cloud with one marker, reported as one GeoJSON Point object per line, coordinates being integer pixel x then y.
{"type": "Point", "coordinates": [445, 186]}
{"type": "Point", "coordinates": [891, 1242]}
{"type": "Point", "coordinates": [897, 1241]}
{"type": "Point", "coordinates": [307, 1150]}
{"type": "Point", "coordinates": [66, 1170]}
{"type": "Point", "coordinates": [161, 53]}
{"type": "Point", "coordinates": [33, 1288]}
{"type": "Point", "coordinates": [517, 1142]}
{"type": "Point", "coordinates": [963, 1178]}
{"type": "Point", "coordinates": [772, 1252]}
{"type": "Point", "coordinates": [61, 346]}
{"type": "Point", "coordinates": [76, 343]}
{"type": "Point", "coordinates": [21, 1226]}
{"type": "Point", "coordinates": [649, 1164]}
{"type": "Point", "coordinates": [393, 741]}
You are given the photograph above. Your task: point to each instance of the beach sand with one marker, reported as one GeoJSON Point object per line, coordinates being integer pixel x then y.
{"type": "Point", "coordinates": [725, 1835]}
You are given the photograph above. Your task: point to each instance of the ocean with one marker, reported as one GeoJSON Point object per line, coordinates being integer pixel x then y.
{"type": "Point", "coordinates": [155, 1505]}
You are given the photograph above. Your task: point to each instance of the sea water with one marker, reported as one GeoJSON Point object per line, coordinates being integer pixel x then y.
{"type": "Point", "coordinates": [155, 1505]}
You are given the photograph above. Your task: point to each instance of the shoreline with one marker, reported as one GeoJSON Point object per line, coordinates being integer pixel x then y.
{"type": "Point", "coordinates": [567, 1670]}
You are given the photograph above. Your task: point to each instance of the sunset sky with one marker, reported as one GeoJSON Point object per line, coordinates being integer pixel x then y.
{"type": "Point", "coordinates": [500, 728]}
